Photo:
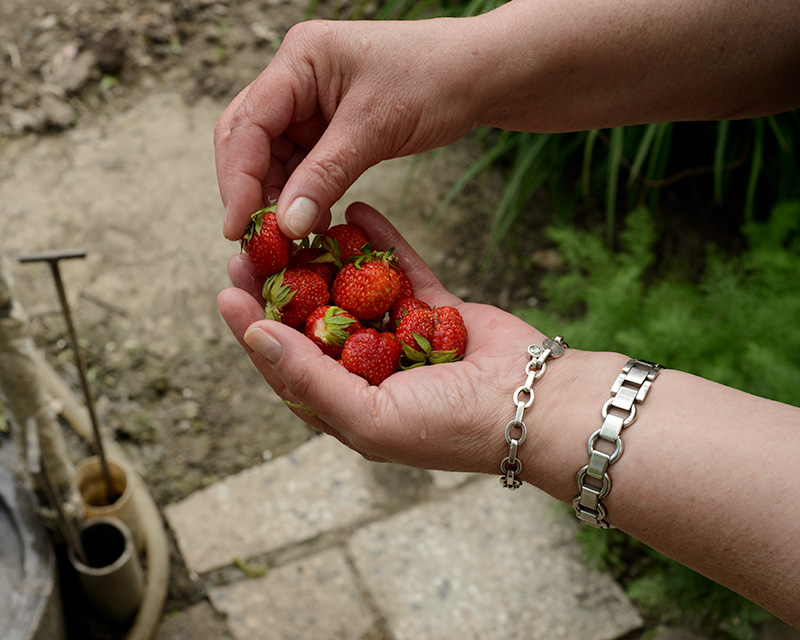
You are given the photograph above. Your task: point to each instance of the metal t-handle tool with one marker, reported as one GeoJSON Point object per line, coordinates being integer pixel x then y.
{"type": "Point", "coordinates": [52, 258]}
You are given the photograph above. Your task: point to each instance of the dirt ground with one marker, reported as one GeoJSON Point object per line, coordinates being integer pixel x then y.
{"type": "Point", "coordinates": [106, 116]}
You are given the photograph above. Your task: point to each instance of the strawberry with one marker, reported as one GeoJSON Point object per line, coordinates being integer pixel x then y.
{"type": "Point", "coordinates": [371, 354]}
{"type": "Point", "coordinates": [292, 295]}
{"type": "Point", "coordinates": [329, 327]}
{"type": "Point", "coordinates": [415, 333]}
{"type": "Point", "coordinates": [343, 242]}
{"type": "Point", "coordinates": [432, 336]}
{"type": "Point", "coordinates": [368, 286]}
{"type": "Point", "coordinates": [306, 257]}
{"type": "Point", "coordinates": [264, 242]}
{"type": "Point", "coordinates": [449, 336]}
{"type": "Point", "coordinates": [401, 307]}
{"type": "Point", "coordinates": [406, 288]}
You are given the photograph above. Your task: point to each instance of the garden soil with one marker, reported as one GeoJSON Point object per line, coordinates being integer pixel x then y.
{"type": "Point", "coordinates": [106, 117]}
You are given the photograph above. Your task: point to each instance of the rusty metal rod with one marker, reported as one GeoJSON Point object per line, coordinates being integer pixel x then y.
{"type": "Point", "coordinates": [53, 258]}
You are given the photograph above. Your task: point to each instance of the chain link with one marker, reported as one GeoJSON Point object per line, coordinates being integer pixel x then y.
{"type": "Point", "coordinates": [511, 466]}
{"type": "Point", "coordinates": [594, 483]}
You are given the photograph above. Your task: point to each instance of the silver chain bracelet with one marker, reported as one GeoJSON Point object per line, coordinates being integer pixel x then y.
{"type": "Point", "coordinates": [594, 483]}
{"type": "Point", "coordinates": [534, 369]}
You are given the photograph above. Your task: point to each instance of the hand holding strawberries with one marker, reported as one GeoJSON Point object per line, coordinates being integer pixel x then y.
{"type": "Point", "coordinates": [447, 416]}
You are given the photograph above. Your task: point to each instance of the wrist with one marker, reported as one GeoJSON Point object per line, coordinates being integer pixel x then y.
{"type": "Point", "coordinates": [566, 412]}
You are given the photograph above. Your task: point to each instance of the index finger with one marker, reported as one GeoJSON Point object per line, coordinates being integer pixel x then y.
{"type": "Point", "coordinates": [222, 133]}
{"type": "Point", "coordinates": [254, 124]}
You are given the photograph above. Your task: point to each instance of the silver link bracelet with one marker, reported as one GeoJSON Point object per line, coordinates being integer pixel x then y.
{"type": "Point", "coordinates": [594, 483]}
{"type": "Point", "coordinates": [511, 466]}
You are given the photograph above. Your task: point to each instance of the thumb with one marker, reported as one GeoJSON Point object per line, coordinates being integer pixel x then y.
{"type": "Point", "coordinates": [346, 149]}
{"type": "Point", "coordinates": [319, 382]}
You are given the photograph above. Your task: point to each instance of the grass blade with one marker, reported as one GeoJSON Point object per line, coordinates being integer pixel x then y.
{"type": "Point", "coordinates": [723, 129]}
{"type": "Point", "coordinates": [755, 170]}
{"type": "Point", "coordinates": [586, 172]}
{"type": "Point", "coordinates": [530, 157]}
{"type": "Point", "coordinates": [642, 150]}
{"type": "Point", "coordinates": [612, 176]}
{"type": "Point", "coordinates": [505, 142]}
{"type": "Point", "coordinates": [658, 159]}
{"type": "Point", "coordinates": [776, 129]}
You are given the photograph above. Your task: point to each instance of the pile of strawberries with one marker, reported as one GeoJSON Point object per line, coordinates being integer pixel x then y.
{"type": "Point", "coordinates": [356, 304]}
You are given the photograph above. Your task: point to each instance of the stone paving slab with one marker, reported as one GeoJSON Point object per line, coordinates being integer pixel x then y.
{"type": "Point", "coordinates": [490, 564]}
{"type": "Point", "coordinates": [316, 598]}
{"type": "Point", "coordinates": [471, 561]}
{"type": "Point", "coordinates": [320, 487]}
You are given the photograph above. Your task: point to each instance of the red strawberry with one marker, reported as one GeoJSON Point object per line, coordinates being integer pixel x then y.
{"type": "Point", "coordinates": [292, 295]}
{"type": "Point", "coordinates": [343, 242]}
{"type": "Point", "coordinates": [415, 334]}
{"type": "Point", "coordinates": [366, 287]}
{"type": "Point", "coordinates": [432, 336]}
{"type": "Point", "coordinates": [401, 307]}
{"type": "Point", "coordinates": [305, 256]}
{"type": "Point", "coordinates": [264, 242]}
{"type": "Point", "coordinates": [329, 327]}
{"type": "Point", "coordinates": [406, 288]}
{"type": "Point", "coordinates": [449, 337]}
{"type": "Point", "coordinates": [371, 354]}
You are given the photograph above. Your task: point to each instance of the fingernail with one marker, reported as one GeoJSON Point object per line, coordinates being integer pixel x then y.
{"type": "Point", "coordinates": [263, 344]}
{"type": "Point", "coordinates": [300, 216]}
{"type": "Point", "coordinates": [225, 223]}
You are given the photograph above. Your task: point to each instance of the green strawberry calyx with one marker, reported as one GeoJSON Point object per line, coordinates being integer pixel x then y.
{"type": "Point", "coordinates": [336, 326]}
{"type": "Point", "coordinates": [256, 222]}
{"type": "Point", "coordinates": [368, 255]}
{"type": "Point", "coordinates": [276, 295]}
{"type": "Point", "coordinates": [416, 356]}
{"type": "Point", "coordinates": [444, 355]}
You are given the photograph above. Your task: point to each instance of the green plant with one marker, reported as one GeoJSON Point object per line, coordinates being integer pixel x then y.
{"type": "Point", "coordinates": [737, 314]}
{"type": "Point", "coordinates": [733, 322]}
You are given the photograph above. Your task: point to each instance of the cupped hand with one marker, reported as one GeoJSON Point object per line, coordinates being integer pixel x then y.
{"type": "Point", "coordinates": [446, 416]}
{"type": "Point", "coordinates": [337, 98]}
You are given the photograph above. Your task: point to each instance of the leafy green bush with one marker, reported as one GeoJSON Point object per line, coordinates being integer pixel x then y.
{"type": "Point", "coordinates": [735, 322]}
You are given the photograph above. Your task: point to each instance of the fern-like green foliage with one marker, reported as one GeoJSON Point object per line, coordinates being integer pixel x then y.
{"type": "Point", "coordinates": [736, 323]}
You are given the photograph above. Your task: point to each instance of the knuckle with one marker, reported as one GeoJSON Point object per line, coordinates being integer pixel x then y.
{"type": "Point", "coordinates": [302, 38]}
{"type": "Point", "coordinates": [331, 172]}
{"type": "Point", "coordinates": [303, 382]}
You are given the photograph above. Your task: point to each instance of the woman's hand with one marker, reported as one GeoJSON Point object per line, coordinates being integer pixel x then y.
{"type": "Point", "coordinates": [338, 98]}
{"type": "Point", "coordinates": [446, 416]}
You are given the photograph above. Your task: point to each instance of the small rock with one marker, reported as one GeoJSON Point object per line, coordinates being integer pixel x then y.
{"type": "Point", "coordinates": [58, 112]}
{"type": "Point", "coordinates": [48, 22]}
{"type": "Point", "coordinates": [71, 70]}
{"type": "Point", "coordinates": [263, 32]}
{"type": "Point", "coordinates": [190, 409]}
{"type": "Point", "coordinates": [22, 120]}
{"type": "Point", "coordinates": [196, 448]}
